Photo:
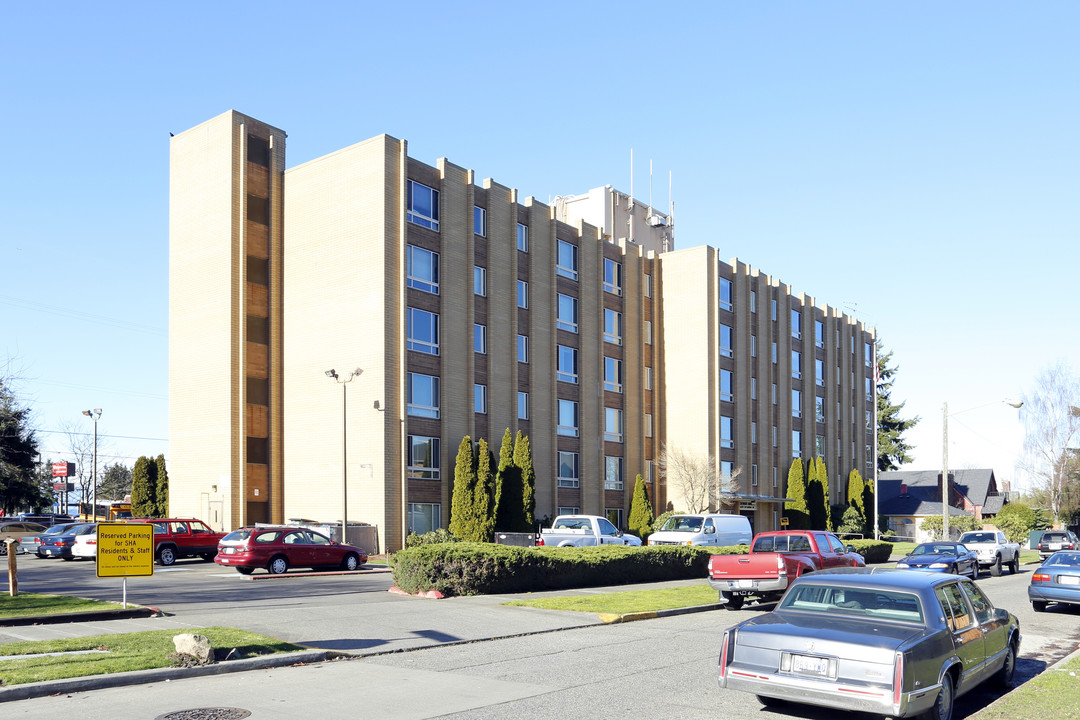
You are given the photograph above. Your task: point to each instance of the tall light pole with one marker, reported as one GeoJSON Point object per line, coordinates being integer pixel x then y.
{"type": "Point", "coordinates": [945, 459]}
{"type": "Point", "coordinates": [93, 415]}
{"type": "Point", "coordinates": [331, 373]}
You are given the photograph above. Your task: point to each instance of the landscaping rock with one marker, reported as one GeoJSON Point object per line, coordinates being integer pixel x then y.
{"type": "Point", "coordinates": [195, 646]}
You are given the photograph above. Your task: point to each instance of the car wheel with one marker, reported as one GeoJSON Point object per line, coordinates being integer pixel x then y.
{"type": "Point", "coordinates": [278, 565]}
{"type": "Point", "coordinates": [245, 570]}
{"type": "Point", "coordinates": [3, 548]}
{"type": "Point", "coordinates": [1014, 566]}
{"type": "Point", "coordinates": [974, 571]}
{"type": "Point", "coordinates": [207, 557]}
{"type": "Point", "coordinates": [166, 556]}
{"type": "Point", "coordinates": [350, 562]}
{"type": "Point", "coordinates": [1004, 677]}
{"type": "Point", "coordinates": [995, 569]}
{"type": "Point", "coordinates": [1038, 605]}
{"type": "Point", "coordinates": [734, 602]}
{"type": "Point", "coordinates": [943, 706]}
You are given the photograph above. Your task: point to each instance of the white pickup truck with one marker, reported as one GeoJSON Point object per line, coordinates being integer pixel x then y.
{"type": "Point", "coordinates": [584, 531]}
{"type": "Point", "coordinates": [993, 550]}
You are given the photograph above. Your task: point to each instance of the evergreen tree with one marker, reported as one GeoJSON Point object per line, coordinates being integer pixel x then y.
{"type": "Point", "coordinates": [868, 507]}
{"type": "Point", "coordinates": [484, 495]}
{"type": "Point", "coordinates": [161, 492]}
{"type": "Point", "coordinates": [855, 492]}
{"type": "Point", "coordinates": [115, 481]}
{"type": "Point", "coordinates": [641, 510]}
{"type": "Point", "coordinates": [823, 478]}
{"type": "Point", "coordinates": [796, 511]}
{"type": "Point", "coordinates": [524, 463]}
{"type": "Point", "coordinates": [144, 488]}
{"type": "Point", "coordinates": [461, 503]}
{"type": "Point", "coordinates": [20, 487]}
{"type": "Point", "coordinates": [815, 496]}
{"type": "Point", "coordinates": [892, 450]}
{"type": "Point", "coordinates": [508, 509]}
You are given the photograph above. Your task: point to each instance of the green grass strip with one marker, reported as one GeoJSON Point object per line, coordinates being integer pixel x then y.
{"type": "Point", "coordinates": [124, 652]}
{"type": "Point", "coordinates": [1054, 693]}
{"type": "Point", "coordinates": [632, 601]}
{"type": "Point", "coordinates": [27, 604]}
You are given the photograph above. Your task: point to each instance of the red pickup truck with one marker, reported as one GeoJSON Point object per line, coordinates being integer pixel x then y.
{"type": "Point", "coordinates": [776, 559]}
{"type": "Point", "coordinates": [182, 537]}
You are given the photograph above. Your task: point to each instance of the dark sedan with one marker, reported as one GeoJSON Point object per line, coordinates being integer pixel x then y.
{"type": "Point", "coordinates": [943, 557]}
{"type": "Point", "coordinates": [33, 543]}
{"type": "Point", "coordinates": [279, 548]}
{"type": "Point", "coordinates": [1056, 581]}
{"type": "Point", "coordinates": [59, 545]}
{"type": "Point", "coordinates": [879, 640]}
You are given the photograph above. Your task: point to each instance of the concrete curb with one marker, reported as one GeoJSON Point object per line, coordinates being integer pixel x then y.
{"type": "Point", "coordinates": [611, 618]}
{"type": "Point", "coordinates": [142, 677]}
{"type": "Point", "coordinates": [93, 616]}
{"type": "Point", "coordinates": [321, 573]}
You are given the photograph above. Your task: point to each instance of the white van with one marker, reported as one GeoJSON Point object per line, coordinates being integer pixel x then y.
{"type": "Point", "coordinates": [705, 529]}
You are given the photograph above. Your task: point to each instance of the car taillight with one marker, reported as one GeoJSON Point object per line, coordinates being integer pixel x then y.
{"type": "Point", "coordinates": [1040, 577]}
{"type": "Point", "coordinates": [91, 542]}
{"type": "Point", "coordinates": [540, 541]}
{"type": "Point", "coordinates": [781, 566]}
{"type": "Point", "coordinates": [898, 678]}
{"type": "Point", "coordinates": [724, 654]}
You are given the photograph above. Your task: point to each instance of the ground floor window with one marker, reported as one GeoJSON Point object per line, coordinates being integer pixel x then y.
{"type": "Point", "coordinates": [615, 516]}
{"type": "Point", "coordinates": [568, 511]}
{"type": "Point", "coordinates": [424, 517]}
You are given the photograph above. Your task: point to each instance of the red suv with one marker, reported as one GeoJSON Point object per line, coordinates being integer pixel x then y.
{"type": "Point", "coordinates": [279, 548]}
{"type": "Point", "coordinates": [181, 537]}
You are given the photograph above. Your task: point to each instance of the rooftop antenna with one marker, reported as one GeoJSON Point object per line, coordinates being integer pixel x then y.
{"type": "Point", "coordinates": [630, 207]}
{"type": "Point", "coordinates": [650, 189]}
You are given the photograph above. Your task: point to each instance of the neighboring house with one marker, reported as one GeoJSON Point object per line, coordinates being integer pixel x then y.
{"type": "Point", "coordinates": [906, 497]}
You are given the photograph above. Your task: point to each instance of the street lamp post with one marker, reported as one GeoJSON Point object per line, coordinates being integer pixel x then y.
{"type": "Point", "coordinates": [945, 460]}
{"type": "Point", "coordinates": [331, 373]}
{"type": "Point", "coordinates": [93, 415]}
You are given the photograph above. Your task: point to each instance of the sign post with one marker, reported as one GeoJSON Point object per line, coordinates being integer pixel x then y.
{"type": "Point", "coordinates": [125, 549]}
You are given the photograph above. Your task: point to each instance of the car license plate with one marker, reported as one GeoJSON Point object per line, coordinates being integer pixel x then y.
{"type": "Point", "coordinates": [746, 583]}
{"type": "Point", "coordinates": [808, 665]}
{"type": "Point", "coordinates": [1055, 546]}
{"type": "Point", "coordinates": [229, 551]}
{"type": "Point", "coordinates": [1069, 579]}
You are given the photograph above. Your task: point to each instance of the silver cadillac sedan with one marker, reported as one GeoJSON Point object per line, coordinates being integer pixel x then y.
{"type": "Point", "coordinates": [897, 642]}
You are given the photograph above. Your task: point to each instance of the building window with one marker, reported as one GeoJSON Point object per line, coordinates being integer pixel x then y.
{"type": "Point", "coordinates": [774, 311]}
{"type": "Point", "coordinates": [257, 329]}
{"type": "Point", "coordinates": [725, 294]}
{"type": "Point", "coordinates": [753, 475]}
{"type": "Point", "coordinates": [257, 270]}
{"type": "Point", "coordinates": [479, 281]}
{"type": "Point", "coordinates": [567, 370]}
{"type": "Point", "coordinates": [523, 406]}
{"type": "Point", "coordinates": [753, 301]}
{"type": "Point", "coordinates": [423, 206]}
{"type": "Point", "coordinates": [613, 479]}
{"type": "Point", "coordinates": [648, 378]}
{"type": "Point", "coordinates": [775, 478]}
{"type": "Point", "coordinates": [727, 437]}
{"type": "Point", "coordinates": [612, 276]}
{"type": "Point", "coordinates": [258, 209]}
{"type": "Point", "coordinates": [727, 343]}
{"type": "Point", "coordinates": [774, 436]}
{"type": "Point", "coordinates": [869, 420]}
{"type": "Point", "coordinates": [567, 313]}
{"type": "Point", "coordinates": [523, 294]}
{"type": "Point", "coordinates": [868, 354]}
{"type": "Point", "coordinates": [796, 324]}
{"type": "Point", "coordinates": [796, 364]}
{"type": "Point", "coordinates": [819, 372]}
{"type": "Point", "coordinates": [257, 391]}
{"type": "Point", "coordinates": [648, 286]}
{"type": "Point", "coordinates": [775, 357]}
{"type": "Point", "coordinates": [819, 409]}
{"type": "Point", "coordinates": [424, 517]}
{"type": "Point", "coordinates": [567, 510]}
{"type": "Point", "coordinates": [479, 216]}
{"type": "Point", "coordinates": [819, 445]}
{"type": "Point", "coordinates": [613, 374]}
{"type": "Point", "coordinates": [480, 399]}
{"type": "Point", "coordinates": [423, 396]}
{"type": "Point", "coordinates": [523, 237]}
{"type": "Point", "coordinates": [796, 403]}
{"type": "Point", "coordinates": [869, 389]}
{"type": "Point", "coordinates": [726, 393]}
{"type": "Point", "coordinates": [523, 348]}
{"type": "Point", "coordinates": [613, 424]}
{"type": "Point", "coordinates": [753, 346]}
{"type": "Point", "coordinates": [480, 338]}
{"type": "Point", "coordinates": [566, 260]}
{"type": "Point", "coordinates": [614, 516]}
{"type": "Point", "coordinates": [424, 458]}
{"type": "Point", "coordinates": [819, 333]}
{"type": "Point", "coordinates": [796, 443]}
{"type": "Point", "coordinates": [753, 433]}
{"type": "Point", "coordinates": [568, 418]}
{"type": "Point", "coordinates": [648, 425]}
{"type": "Point", "coordinates": [258, 150]}
{"type": "Point", "coordinates": [568, 470]}
{"type": "Point", "coordinates": [726, 469]}
{"type": "Point", "coordinates": [774, 393]}
{"type": "Point", "coordinates": [647, 329]}
{"type": "Point", "coordinates": [422, 271]}
{"type": "Point", "coordinates": [612, 326]}
{"type": "Point", "coordinates": [753, 388]}
{"type": "Point", "coordinates": [423, 331]}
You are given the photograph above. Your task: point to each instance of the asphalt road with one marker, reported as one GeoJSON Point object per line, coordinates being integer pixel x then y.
{"type": "Point", "coordinates": [546, 667]}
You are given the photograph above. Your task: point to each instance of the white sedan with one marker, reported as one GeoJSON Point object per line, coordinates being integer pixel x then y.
{"type": "Point", "coordinates": [85, 546]}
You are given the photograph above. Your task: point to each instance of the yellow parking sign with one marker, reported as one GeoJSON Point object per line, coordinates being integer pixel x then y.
{"type": "Point", "coordinates": [125, 549]}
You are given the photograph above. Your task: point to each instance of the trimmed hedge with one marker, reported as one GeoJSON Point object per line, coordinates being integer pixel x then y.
{"type": "Point", "coordinates": [875, 551]}
{"type": "Point", "coordinates": [469, 568]}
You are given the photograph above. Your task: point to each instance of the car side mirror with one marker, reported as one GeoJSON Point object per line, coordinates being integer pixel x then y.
{"type": "Point", "coordinates": [710, 531]}
{"type": "Point", "coordinates": [851, 548]}
{"type": "Point", "coordinates": [1001, 614]}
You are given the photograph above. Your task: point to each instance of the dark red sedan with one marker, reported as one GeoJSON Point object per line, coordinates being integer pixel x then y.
{"type": "Point", "coordinates": [279, 548]}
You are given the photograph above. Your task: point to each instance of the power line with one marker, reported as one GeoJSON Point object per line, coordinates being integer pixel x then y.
{"type": "Point", "coordinates": [101, 435]}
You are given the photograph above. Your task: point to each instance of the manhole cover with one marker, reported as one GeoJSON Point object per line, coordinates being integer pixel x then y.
{"type": "Point", "coordinates": [219, 713]}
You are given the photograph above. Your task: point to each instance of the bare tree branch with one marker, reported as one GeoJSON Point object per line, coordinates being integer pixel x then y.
{"type": "Point", "coordinates": [1052, 429]}
{"type": "Point", "coordinates": [698, 479]}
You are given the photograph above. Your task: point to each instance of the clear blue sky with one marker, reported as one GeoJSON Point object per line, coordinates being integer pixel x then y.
{"type": "Point", "coordinates": [915, 161]}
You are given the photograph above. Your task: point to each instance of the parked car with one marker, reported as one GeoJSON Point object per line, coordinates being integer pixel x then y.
{"type": "Point", "coordinates": [32, 543]}
{"type": "Point", "coordinates": [948, 557]}
{"type": "Point", "coordinates": [776, 558]}
{"type": "Point", "coordinates": [878, 640]}
{"type": "Point", "coordinates": [717, 529]}
{"type": "Point", "coordinates": [279, 548]}
{"type": "Point", "coordinates": [17, 530]}
{"type": "Point", "coordinates": [584, 531]}
{"type": "Point", "coordinates": [46, 519]}
{"type": "Point", "coordinates": [1057, 580]}
{"type": "Point", "coordinates": [1055, 540]}
{"type": "Point", "coordinates": [176, 538]}
{"type": "Point", "coordinates": [85, 546]}
{"type": "Point", "coordinates": [60, 544]}
{"type": "Point", "coordinates": [993, 550]}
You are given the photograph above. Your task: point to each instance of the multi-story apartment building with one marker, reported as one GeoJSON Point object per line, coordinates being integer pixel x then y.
{"type": "Point", "coordinates": [470, 310]}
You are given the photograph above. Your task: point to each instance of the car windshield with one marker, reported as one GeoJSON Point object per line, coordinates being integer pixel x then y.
{"type": "Point", "coordinates": [682, 523]}
{"type": "Point", "coordinates": [57, 529]}
{"type": "Point", "coordinates": [935, 549]}
{"type": "Point", "coordinates": [977, 537]}
{"type": "Point", "coordinates": [1068, 559]}
{"type": "Point", "coordinates": [1053, 537]}
{"type": "Point", "coordinates": [859, 602]}
{"type": "Point", "coordinates": [237, 536]}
